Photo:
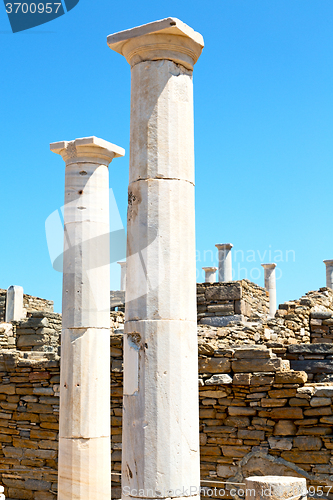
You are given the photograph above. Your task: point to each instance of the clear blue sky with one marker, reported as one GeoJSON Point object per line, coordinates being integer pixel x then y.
{"type": "Point", "coordinates": [263, 90]}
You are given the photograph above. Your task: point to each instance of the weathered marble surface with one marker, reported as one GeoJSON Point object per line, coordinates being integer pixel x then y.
{"type": "Point", "coordinates": [84, 427]}
{"type": "Point", "coordinates": [160, 424]}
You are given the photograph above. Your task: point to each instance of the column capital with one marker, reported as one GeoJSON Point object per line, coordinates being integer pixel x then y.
{"type": "Point", "coordinates": [122, 264]}
{"type": "Point", "coordinates": [212, 269]}
{"type": "Point", "coordinates": [167, 38]}
{"type": "Point", "coordinates": [224, 246]}
{"type": "Point", "coordinates": [87, 149]}
{"type": "Point", "coordinates": [269, 266]}
{"type": "Point", "coordinates": [328, 262]}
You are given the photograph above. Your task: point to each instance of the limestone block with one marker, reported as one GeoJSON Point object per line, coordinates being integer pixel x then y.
{"type": "Point", "coordinates": [316, 402]}
{"type": "Point", "coordinates": [275, 488]}
{"type": "Point", "coordinates": [280, 443]}
{"type": "Point", "coordinates": [235, 451]}
{"type": "Point", "coordinates": [237, 421]}
{"type": "Point", "coordinates": [253, 353]}
{"type": "Point", "coordinates": [321, 411]}
{"type": "Point", "coordinates": [84, 391]}
{"type": "Point", "coordinates": [32, 340]}
{"type": "Point", "coordinates": [14, 304]}
{"type": "Point", "coordinates": [247, 434]}
{"type": "Point", "coordinates": [226, 471]}
{"type": "Point", "coordinates": [85, 471]}
{"type": "Point", "coordinates": [283, 413]}
{"type": "Point", "coordinates": [219, 379]}
{"type": "Point", "coordinates": [273, 402]}
{"type": "Point", "coordinates": [241, 411]}
{"type": "Point", "coordinates": [308, 443]}
{"type": "Point", "coordinates": [292, 377]}
{"type": "Point", "coordinates": [313, 366]}
{"type": "Point", "coordinates": [285, 428]}
{"type": "Point", "coordinates": [221, 320]}
{"type": "Point", "coordinates": [221, 309]}
{"type": "Point", "coordinates": [228, 291]}
{"type": "Point", "coordinates": [310, 457]}
{"type": "Point", "coordinates": [242, 378]}
{"type": "Point", "coordinates": [256, 365]}
{"type": "Point", "coordinates": [213, 394]}
{"type": "Point", "coordinates": [214, 365]}
{"type": "Point", "coordinates": [156, 256]}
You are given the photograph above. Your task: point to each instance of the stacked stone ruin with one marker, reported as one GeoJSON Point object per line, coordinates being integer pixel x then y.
{"type": "Point", "coordinates": [265, 387]}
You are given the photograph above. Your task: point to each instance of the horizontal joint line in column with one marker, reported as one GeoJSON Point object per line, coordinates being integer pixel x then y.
{"type": "Point", "coordinates": [106, 328]}
{"type": "Point", "coordinates": [161, 319]}
{"type": "Point", "coordinates": [163, 179]}
{"type": "Point", "coordinates": [85, 438]}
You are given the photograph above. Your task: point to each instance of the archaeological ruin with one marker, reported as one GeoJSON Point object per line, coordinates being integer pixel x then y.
{"type": "Point", "coordinates": [211, 386]}
{"type": "Point", "coordinates": [265, 390]}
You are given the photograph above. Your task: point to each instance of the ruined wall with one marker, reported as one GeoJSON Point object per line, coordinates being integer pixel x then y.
{"type": "Point", "coordinates": [220, 303]}
{"type": "Point", "coordinates": [40, 332]}
{"type": "Point", "coordinates": [117, 300]}
{"type": "Point", "coordinates": [2, 305]}
{"type": "Point", "coordinates": [29, 410]}
{"type": "Point", "coordinates": [256, 415]}
{"type": "Point", "coordinates": [30, 304]}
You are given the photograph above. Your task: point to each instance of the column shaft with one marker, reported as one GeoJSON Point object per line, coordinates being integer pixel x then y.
{"type": "Point", "coordinates": [210, 274]}
{"type": "Point", "coordinates": [270, 286]}
{"type": "Point", "coordinates": [160, 420]}
{"type": "Point", "coordinates": [225, 262]}
{"type": "Point", "coordinates": [329, 273]}
{"type": "Point", "coordinates": [84, 428]}
{"type": "Point", "coordinates": [123, 273]}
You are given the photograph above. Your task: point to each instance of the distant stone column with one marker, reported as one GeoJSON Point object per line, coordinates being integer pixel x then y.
{"type": "Point", "coordinates": [275, 488]}
{"type": "Point", "coordinates": [122, 276]}
{"type": "Point", "coordinates": [160, 448]}
{"type": "Point", "coordinates": [14, 304]}
{"type": "Point", "coordinates": [225, 262]}
{"type": "Point", "coordinates": [329, 273]}
{"type": "Point", "coordinates": [84, 429]}
{"type": "Point", "coordinates": [270, 285]}
{"type": "Point", "coordinates": [210, 274]}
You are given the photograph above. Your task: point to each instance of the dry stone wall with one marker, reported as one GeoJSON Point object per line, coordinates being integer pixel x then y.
{"type": "Point", "coordinates": [220, 303]}
{"type": "Point", "coordinates": [30, 304]}
{"type": "Point", "coordinates": [257, 416]}
{"type": "Point", "coordinates": [40, 332]}
{"type": "Point", "coordinates": [29, 410]}
{"type": "Point", "coordinates": [2, 305]}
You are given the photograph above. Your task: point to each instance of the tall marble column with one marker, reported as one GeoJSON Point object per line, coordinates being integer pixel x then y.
{"type": "Point", "coordinates": [84, 430]}
{"type": "Point", "coordinates": [122, 276]}
{"type": "Point", "coordinates": [210, 274]}
{"type": "Point", "coordinates": [225, 262]}
{"type": "Point", "coordinates": [160, 420]}
{"type": "Point", "coordinates": [270, 285]}
{"type": "Point", "coordinates": [329, 273]}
